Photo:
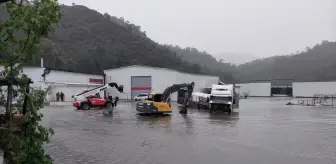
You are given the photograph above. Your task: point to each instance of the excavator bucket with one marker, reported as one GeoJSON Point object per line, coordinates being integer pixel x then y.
{"type": "Point", "coordinates": [121, 88]}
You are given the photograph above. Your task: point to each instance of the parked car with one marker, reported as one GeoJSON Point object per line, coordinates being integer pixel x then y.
{"type": "Point", "coordinates": [141, 96]}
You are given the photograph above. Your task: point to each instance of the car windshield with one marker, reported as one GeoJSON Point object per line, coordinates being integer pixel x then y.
{"type": "Point", "coordinates": [221, 89]}
{"type": "Point", "coordinates": [149, 97]}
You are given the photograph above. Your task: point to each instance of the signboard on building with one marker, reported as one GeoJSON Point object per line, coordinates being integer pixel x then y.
{"type": "Point", "coordinates": [96, 81]}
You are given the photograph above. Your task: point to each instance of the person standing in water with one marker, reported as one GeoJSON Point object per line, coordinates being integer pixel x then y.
{"type": "Point", "coordinates": [57, 96]}
{"type": "Point", "coordinates": [116, 101]}
{"type": "Point", "coordinates": [62, 96]}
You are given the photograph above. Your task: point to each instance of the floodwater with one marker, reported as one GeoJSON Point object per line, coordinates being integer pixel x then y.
{"type": "Point", "coordinates": [262, 131]}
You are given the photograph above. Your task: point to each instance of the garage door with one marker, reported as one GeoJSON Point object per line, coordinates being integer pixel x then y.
{"type": "Point", "coordinates": [282, 87]}
{"type": "Point", "coordinates": [140, 84]}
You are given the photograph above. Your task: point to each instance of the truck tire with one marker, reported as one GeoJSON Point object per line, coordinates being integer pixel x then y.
{"type": "Point", "coordinates": [211, 109]}
{"type": "Point", "coordinates": [85, 106]}
{"type": "Point", "coordinates": [229, 110]}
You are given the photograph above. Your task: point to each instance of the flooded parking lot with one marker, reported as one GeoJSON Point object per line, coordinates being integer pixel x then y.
{"type": "Point", "coordinates": [262, 131]}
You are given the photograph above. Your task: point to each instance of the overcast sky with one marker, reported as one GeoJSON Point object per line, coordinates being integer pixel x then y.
{"type": "Point", "coordinates": [258, 27]}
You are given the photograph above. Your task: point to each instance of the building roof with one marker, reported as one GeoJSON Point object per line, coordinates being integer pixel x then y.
{"type": "Point", "coordinates": [167, 69]}
{"type": "Point", "coordinates": [70, 83]}
{"type": "Point", "coordinates": [72, 71]}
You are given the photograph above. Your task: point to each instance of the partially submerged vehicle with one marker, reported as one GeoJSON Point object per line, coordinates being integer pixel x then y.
{"type": "Point", "coordinates": [160, 102]}
{"type": "Point", "coordinates": [154, 104]}
{"type": "Point", "coordinates": [223, 97]}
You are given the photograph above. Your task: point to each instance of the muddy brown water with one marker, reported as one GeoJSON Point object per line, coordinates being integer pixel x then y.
{"type": "Point", "coordinates": [262, 131]}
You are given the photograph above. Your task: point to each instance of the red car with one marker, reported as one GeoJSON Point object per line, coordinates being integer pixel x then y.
{"type": "Point", "coordinates": [93, 102]}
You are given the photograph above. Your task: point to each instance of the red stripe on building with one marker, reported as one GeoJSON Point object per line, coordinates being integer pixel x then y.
{"type": "Point", "coordinates": [99, 81]}
{"type": "Point", "coordinates": [141, 88]}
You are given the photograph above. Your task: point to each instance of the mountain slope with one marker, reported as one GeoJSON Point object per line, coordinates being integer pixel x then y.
{"type": "Point", "coordinates": [87, 41]}
{"type": "Point", "coordinates": [85, 37]}
{"type": "Point", "coordinates": [235, 58]}
{"type": "Point", "coordinates": [206, 61]}
{"type": "Point", "coordinates": [314, 64]}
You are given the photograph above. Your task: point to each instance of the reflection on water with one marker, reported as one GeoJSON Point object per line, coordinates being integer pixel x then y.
{"type": "Point", "coordinates": [223, 118]}
{"type": "Point", "coordinates": [220, 117]}
{"type": "Point", "coordinates": [161, 120]}
{"type": "Point", "coordinates": [189, 128]}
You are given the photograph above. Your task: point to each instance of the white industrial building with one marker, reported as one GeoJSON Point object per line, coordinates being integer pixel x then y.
{"type": "Point", "coordinates": [140, 79]}
{"type": "Point", "coordinates": [309, 89]}
{"type": "Point", "coordinates": [298, 89]}
{"type": "Point", "coordinates": [70, 83]}
{"type": "Point", "coordinates": [135, 79]}
{"type": "Point", "coordinates": [261, 89]}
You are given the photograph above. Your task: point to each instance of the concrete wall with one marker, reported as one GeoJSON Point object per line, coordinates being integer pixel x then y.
{"type": "Point", "coordinates": [308, 89]}
{"type": "Point", "coordinates": [255, 89]}
{"type": "Point", "coordinates": [161, 79]}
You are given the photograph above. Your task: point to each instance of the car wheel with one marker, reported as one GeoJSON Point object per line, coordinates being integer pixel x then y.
{"type": "Point", "coordinates": [85, 106]}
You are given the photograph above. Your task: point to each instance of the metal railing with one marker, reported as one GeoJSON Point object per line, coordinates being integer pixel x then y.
{"type": "Point", "coordinates": [319, 100]}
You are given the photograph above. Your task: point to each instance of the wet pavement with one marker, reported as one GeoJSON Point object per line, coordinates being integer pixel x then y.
{"type": "Point", "coordinates": [262, 131]}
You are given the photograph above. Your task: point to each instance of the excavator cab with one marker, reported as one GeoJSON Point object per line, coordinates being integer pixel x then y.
{"type": "Point", "coordinates": [180, 95]}
{"type": "Point", "coordinates": [153, 104]}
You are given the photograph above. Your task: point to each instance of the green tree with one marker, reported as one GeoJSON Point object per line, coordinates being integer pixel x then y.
{"type": "Point", "coordinates": [28, 24]}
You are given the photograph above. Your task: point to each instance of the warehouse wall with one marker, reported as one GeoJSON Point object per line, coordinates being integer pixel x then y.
{"type": "Point", "coordinates": [255, 89]}
{"type": "Point", "coordinates": [161, 79]}
{"type": "Point", "coordinates": [308, 89]}
{"type": "Point", "coordinates": [70, 77]}
{"type": "Point", "coordinates": [70, 89]}
{"type": "Point", "coordinates": [122, 76]}
{"type": "Point", "coordinates": [34, 73]}
{"type": "Point", "coordinates": [244, 88]}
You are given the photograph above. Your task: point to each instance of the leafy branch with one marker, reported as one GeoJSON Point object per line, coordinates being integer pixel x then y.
{"type": "Point", "coordinates": [21, 34]}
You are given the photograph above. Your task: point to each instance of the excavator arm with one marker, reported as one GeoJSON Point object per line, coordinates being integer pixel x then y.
{"type": "Point", "coordinates": [176, 87]}
{"type": "Point", "coordinates": [94, 91]}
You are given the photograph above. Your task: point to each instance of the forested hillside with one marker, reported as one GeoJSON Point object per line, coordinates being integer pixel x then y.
{"type": "Point", "coordinates": [88, 41]}
{"type": "Point", "coordinates": [235, 58]}
{"type": "Point", "coordinates": [205, 61]}
{"type": "Point", "coordinates": [314, 64]}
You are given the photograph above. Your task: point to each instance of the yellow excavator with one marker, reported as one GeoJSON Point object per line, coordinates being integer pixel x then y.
{"type": "Point", "coordinates": [160, 102]}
